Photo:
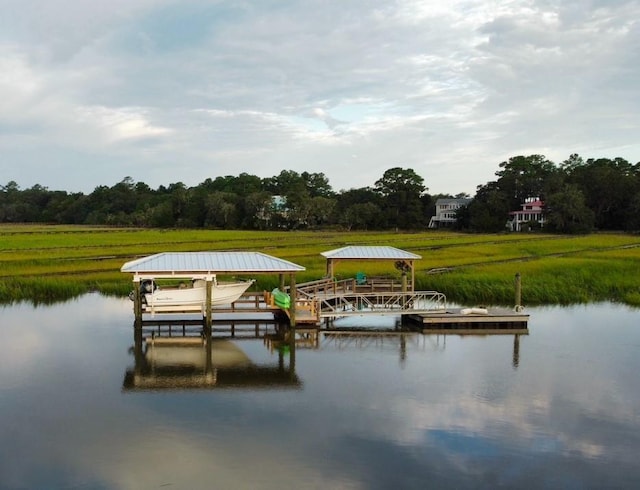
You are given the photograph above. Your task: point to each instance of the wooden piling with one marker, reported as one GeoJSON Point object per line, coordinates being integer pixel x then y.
{"type": "Point", "coordinates": [209, 284]}
{"type": "Point", "coordinates": [292, 296]}
{"type": "Point", "coordinates": [518, 292]}
{"type": "Point", "coordinates": [137, 303]}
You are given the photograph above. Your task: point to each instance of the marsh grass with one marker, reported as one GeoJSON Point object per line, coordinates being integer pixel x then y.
{"type": "Point", "coordinates": [39, 290]}
{"type": "Point", "coordinates": [554, 280]}
{"type": "Point", "coordinates": [48, 263]}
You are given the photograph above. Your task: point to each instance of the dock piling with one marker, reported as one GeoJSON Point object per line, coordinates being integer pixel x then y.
{"type": "Point", "coordinates": [518, 288]}
{"type": "Point", "coordinates": [137, 302]}
{"type": "Point", "coordinates": [208, 298]}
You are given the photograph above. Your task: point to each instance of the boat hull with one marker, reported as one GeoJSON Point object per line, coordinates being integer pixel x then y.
{"type": "Point", "coordinates": [222, 293]}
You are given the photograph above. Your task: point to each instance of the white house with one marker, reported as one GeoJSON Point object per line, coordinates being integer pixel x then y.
{"type": "Point", "coordinates": [276, 207]}
{"type": "Point", "coordinates": [532, 211]}
{"type": "Point", "coordinates": [446, 209]}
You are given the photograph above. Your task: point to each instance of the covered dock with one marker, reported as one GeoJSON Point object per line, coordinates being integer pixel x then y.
{"type": "Point", "coordinates": [402, 260]}
{"type": "Point", "coordinates": [208, 266]}
{"type": "Point", "coordinates": [323, 299]}
{"type": "Point", "coordinates": [364, 294]}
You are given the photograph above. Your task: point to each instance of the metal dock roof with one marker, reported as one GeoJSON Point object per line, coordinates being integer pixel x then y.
{"type": "Point", "coordinates": [370, 253]}
{"type": "Point", "coordinates": [209, 263]}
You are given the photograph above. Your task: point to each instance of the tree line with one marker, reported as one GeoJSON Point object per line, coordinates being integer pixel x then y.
{"type": "Point", "coordinates": [579, 195]}
{"type": "Point", "coordinates": [289, 200]}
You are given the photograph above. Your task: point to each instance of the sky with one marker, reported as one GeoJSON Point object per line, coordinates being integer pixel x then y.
{"type": "Point", "coordinates": [167, 91]}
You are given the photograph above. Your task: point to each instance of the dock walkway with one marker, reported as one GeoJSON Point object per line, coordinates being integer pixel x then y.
{"type": "Point", "coordinates": [329, 299]}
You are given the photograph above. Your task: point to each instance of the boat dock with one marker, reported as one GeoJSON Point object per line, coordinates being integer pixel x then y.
{"type": "Point", "coordinates": [425, 311]}
{"type": "Point", "coordinates": [316, 302]}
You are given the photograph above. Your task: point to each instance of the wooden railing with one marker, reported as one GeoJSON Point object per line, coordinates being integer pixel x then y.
{"type": "Point", "coordinates": [327, 286]}
{"type": "Point", "coordinates": [380, 284]}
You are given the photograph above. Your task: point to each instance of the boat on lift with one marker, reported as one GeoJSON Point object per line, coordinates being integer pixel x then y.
{"type": "Point", "coordinates": [191, 296]}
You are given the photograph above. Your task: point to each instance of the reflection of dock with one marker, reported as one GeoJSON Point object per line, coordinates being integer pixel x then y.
{"type": "Point", "coordinates": [399, 341]}
{"type": "Point", "coordinates": [187, 356]}
{"type": "Point", "coordinates": [304, 338]}
{"type": "Point", "coordinates": [220, 329]}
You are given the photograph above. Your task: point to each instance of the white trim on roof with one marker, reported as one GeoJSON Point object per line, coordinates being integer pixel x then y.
{"type": "Point", "coordinates": [209, 263]}
{"type": "Point", "coordinates": [370, 253]}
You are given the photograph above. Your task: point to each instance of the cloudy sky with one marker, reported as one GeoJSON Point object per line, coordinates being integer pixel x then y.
{"type": "Point", "coordinates": [165, 91]}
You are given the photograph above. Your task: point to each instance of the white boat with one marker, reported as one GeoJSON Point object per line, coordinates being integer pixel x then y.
{"type": "Point", "coordinates": [190, 296]}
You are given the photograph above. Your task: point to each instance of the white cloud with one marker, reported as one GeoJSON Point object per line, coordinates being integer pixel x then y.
{"type": "Point", "coordinates": [252, 87]}
{"type": "Point", "coordinates": [119, 124]}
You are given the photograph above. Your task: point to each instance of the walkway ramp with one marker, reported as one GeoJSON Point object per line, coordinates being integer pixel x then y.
{"type": "Point", "coordinates": [328, 298]}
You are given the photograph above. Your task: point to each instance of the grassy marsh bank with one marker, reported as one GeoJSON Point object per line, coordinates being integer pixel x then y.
{"type": "Point", "coordinates": [48, 263]}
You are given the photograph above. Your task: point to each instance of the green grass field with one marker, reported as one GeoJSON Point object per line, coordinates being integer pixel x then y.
{"type": "Point", "coordinates": [48, 263]}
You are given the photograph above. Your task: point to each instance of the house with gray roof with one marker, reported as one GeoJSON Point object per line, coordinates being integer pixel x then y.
{"type": "Point", "coordinates": [446, 209]}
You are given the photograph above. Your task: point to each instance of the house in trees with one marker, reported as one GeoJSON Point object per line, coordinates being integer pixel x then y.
{"type": "Point", "coordinates": [446, 209]}
{"type": "Point", "coordinates": [274, 212]}
{"type": "Point", "coordinates": [530, 216]}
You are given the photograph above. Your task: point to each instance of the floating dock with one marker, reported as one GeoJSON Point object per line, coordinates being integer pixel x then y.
{"type": "Point", "coordinates": [472, 321]}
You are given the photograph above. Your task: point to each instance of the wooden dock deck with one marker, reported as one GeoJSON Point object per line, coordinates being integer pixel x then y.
{"type": "Point", "coordinates": [325, 300]}
{"type": "Point", "coordinates": [472, 321]}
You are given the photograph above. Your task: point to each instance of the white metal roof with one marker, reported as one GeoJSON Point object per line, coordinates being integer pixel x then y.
{"type": "Point", "coordinates": [209, 263]}
{"type": "Point", "coordinates": [370, 253]}
{"type": "Point", "coordinates": [455, 200]}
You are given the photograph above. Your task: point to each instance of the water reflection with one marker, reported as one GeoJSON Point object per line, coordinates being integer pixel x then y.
{"type": "Point", "coordinates": [559, 408]}
{"type": "Point", "coordinates": [194, 358]}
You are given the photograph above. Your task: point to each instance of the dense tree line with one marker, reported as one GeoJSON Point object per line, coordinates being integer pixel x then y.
{"type": "Point", "coordinates": [579, 195]}
{"type": "Point", "coordinates": [290, 200]}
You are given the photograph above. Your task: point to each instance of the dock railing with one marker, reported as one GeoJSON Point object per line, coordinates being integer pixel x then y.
{"type": "Point", "coordinates": [380, 303]}
{"type": "Point", "coordinates": [329, 286]}
{"type": "Point", "coordinates": [324, 286]}
{"type": "Point", "coordinates": [327, 297]}
{"type": "Point", "coordinates": [381, 283]}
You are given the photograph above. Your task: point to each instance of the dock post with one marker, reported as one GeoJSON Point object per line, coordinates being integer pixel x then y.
{"type": "Point", "coordinates": [404, 288]}
{"type": "Point", "coordinates": [518, 287]}
{"type": "Point", "coordinates": [209, 284]}
{"type": "Point", "coordinates": [137, 303]}
{"type": "Point", "coordinates": [292, 296]}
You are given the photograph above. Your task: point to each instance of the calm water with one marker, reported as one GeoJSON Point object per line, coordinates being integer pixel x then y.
{"type": "Point", "coordinates": [559, 408]}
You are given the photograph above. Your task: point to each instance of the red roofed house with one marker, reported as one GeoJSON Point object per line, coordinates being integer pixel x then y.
{"type": "Point", "coordinates": [532, 211]}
